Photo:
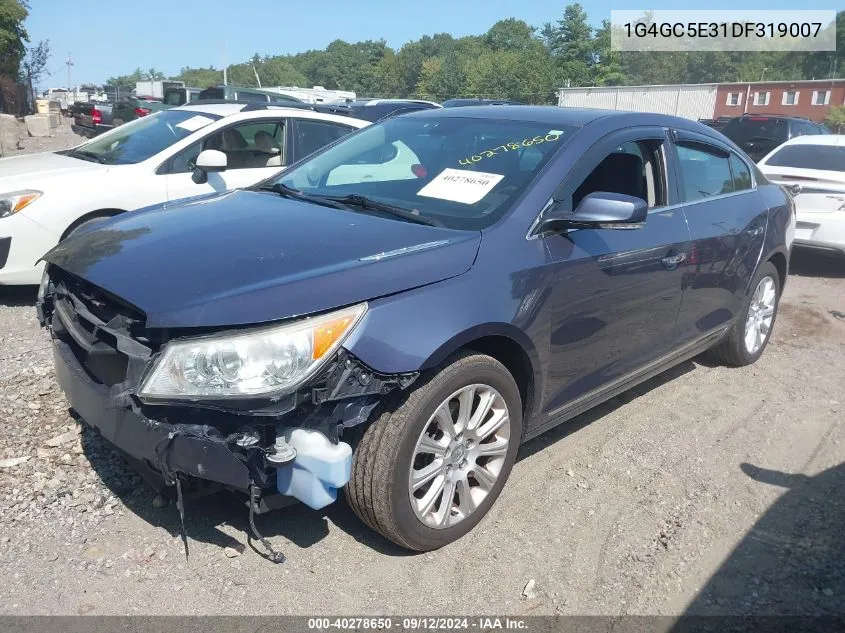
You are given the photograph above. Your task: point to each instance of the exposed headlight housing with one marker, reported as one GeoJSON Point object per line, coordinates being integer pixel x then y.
{"type": "Point", "coordinates": [15, 201]}
{"type": "Point", "coordinates": [45, 283]}
{"type": "Point", "coordinates": [265, 361]}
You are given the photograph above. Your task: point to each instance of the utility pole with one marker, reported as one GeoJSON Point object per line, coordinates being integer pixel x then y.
{"type": "Point", "coordinates": [69, 63]}
{"type": "Point", "coordinates": [256, 73]}
{"type": "Point", "coordinates": [225, 64]}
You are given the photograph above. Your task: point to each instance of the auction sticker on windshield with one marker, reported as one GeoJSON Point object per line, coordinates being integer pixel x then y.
{"type": "Point", "coordinates": [194, 123]}
{"type": "Point", "coordinates": [459, 185]}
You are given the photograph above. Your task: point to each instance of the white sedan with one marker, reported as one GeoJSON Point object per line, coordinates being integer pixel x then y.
{"type": "Point", "coordinates": [812, 168]}
{"type": "Point", "coordinates": [187, 151]}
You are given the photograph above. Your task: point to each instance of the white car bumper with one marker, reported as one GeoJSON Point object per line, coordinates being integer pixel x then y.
{"type": "Point", "coordinates": [26, 241]}
{"type": "Point", "coordinates": [822, 229]}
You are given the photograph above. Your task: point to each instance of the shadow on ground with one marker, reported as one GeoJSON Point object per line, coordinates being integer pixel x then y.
{"type": "Point", "coordinates": [205, 515]}
{"type": "Point", "coordinates": [18, 296]}
{"type": "Point", "coordinates": [297, 524]}
{"type": "Point", "coordinates": [792, 561]}
{"type": "Point", "coordinates": [811, 263]}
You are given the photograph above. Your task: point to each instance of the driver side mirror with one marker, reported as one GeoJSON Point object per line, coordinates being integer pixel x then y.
{"type": "Point", "coordinates": [598, 210]}
{"type": "Point", "coordinates": [209, 160]}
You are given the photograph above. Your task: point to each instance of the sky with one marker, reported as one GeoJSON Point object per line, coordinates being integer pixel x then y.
{"type": "Point", "coordinates": [106, 39]}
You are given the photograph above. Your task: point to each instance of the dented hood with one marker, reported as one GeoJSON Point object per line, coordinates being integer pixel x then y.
{"type": "Point", "coordinates": [247, 257]}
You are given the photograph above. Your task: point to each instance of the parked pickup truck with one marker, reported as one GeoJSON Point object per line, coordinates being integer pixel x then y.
{"type": "Point", "coordinates": [91, 118]}
{"type": "Point", "coordinates": [133, 107]}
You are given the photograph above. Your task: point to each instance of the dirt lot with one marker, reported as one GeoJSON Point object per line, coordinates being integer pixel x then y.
{"type": "Point", "coordinates": [63, 138]}
{"type": "Point", "coordinates": [710, 489]}
{"type": "Point", "coordinates": [705, 490]}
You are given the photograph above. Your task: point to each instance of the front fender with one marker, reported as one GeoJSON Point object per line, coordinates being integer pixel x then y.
{"type": "Point", "coordinates": [417, 330]}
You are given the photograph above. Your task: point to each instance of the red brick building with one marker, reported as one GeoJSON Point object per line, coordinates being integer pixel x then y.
{"type": "Point", "coordinates": [810, 99]}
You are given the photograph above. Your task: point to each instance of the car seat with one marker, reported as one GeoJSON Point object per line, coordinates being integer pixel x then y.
{"type": "Point", "coordinates": [269, 155]}
{"type": "Point", "coordinates": [617, 173]}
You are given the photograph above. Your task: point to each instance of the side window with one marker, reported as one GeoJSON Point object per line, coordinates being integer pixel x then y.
{"type": "Point", "coordinates": [247, 146]}
{"type": "Point", "coordinates": [634, 168]}
{"type": "Point", "coordinates": [185, 161]}
{"type": "Point", "coordinates": [741, 174]}
{"type": "Point", "coordinates": [314, 135]}
{"type": "Point", "coordinates": [705, 171]}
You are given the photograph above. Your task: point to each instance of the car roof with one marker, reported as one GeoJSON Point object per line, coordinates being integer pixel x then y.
{"type": "Point", "coordinates": [817, 139]}
{"type": "Point", "coordinates": [755, 116]}
{"type": "Point", "coordinates": [272, 110]}
{"type": "Point", "coordinates": [378, 101]}
{"type": "Point", "coordinates": [556, 115]}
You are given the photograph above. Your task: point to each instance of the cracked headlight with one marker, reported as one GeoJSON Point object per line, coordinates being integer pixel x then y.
{"type": "Point", "coordinates": [250, 363]}
{"type": "Point", "coordinates": [17, 200]}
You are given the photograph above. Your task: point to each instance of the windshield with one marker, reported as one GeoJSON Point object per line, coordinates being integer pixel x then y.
{"type": "Point", "coordinates": [743, 130]}
{"type": "Point", "coordinates": [461, 172]}
{"type": "Point", "coordinates": [145, 137]}
{"type": "Point", "coordinates": [806, 156]}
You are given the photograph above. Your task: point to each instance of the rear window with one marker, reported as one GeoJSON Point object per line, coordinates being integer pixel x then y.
{"type": "Point", "coordinates": [174, 96]}
{"type": "Point", "coordinates": [806, 156]}
{"type": "Point", "coordinates": [254, 97]}
{"type": "Point", "coordinates": [756, 129]}
{"type": "Point", "coordinates": [213, 93]}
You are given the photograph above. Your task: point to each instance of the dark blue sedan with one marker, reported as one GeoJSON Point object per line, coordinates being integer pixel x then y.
{"type": "Point", "coordinates": [397, 313]}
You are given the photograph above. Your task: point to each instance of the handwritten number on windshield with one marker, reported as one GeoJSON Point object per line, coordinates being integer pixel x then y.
{"type": "Point", "coordinates": [507, 147]}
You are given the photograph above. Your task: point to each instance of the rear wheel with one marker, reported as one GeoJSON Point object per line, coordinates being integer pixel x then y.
{"type": "Point", "coordinates": [752, 330]}
{"type": "Point", "coordinates": [432, 464]}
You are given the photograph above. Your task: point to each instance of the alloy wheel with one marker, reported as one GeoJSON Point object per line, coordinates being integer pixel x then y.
{"type": "Point", "coordinates": [761, 313]}
{"type": "Point", "coordinates": [459, 455]}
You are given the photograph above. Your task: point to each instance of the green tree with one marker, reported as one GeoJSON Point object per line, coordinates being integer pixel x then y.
{"type": "Point", "coordinates": [200, 77]}
{"type": "Point", "coordinates": [525, 76]}
{"type": "Point", "coordinates": [280, 71]}
{"type": "Point", "coordinates": [442, 78]}
{"type": "Point", "coordinates": [607, 70]}
{"type": "Point", "coordinates": [153, 75]}
{"type": "Point", "coordinates": [827, 65]}
{"type": "Point", "coordinates": [510, 35]}
{"type": "Point", "coordinates": [571, 44]}
{"type": "Point", "coordinates": [126, 80]}
{"type": "Point", "coordinates": [836, 119]}
{"type": "Point", "coordinates": [13, 36]}
{"type": "Point", "coordinates": [34, 65]}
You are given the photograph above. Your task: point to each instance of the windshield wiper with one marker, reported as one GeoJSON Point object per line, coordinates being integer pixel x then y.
{"type": "Point", "coordinates": [368, 204]}
{"type": "Point", "coordinates": [89, 156]}
{"type": "Point", "coordinates": [296, 194]}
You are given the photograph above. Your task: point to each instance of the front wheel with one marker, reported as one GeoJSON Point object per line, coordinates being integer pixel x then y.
{"type": "Point", "coordinates": [753, 328]}
{"type": "Point", "coordinates": [434, 461]}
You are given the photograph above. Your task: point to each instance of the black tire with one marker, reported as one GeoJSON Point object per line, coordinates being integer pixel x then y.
{"type": "Point", "coordinates": [378, 488]}
{"type": "Point", "coordinates": [732, 350]}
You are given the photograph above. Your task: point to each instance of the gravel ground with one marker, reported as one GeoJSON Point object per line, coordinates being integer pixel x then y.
{"type": "Point", "coordinates": [63, 138]}
{"type": "Point", "coordinates": [705, 490]}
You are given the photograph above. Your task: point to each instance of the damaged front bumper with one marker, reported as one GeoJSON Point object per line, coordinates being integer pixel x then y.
{"type": "Point", "coordinates": [194, 450]}
{"type": "Point", "coordinates": [101, 352]}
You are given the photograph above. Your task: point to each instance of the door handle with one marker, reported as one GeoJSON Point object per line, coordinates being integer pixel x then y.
{"type": "Point", "coordinates": [670, 261]}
